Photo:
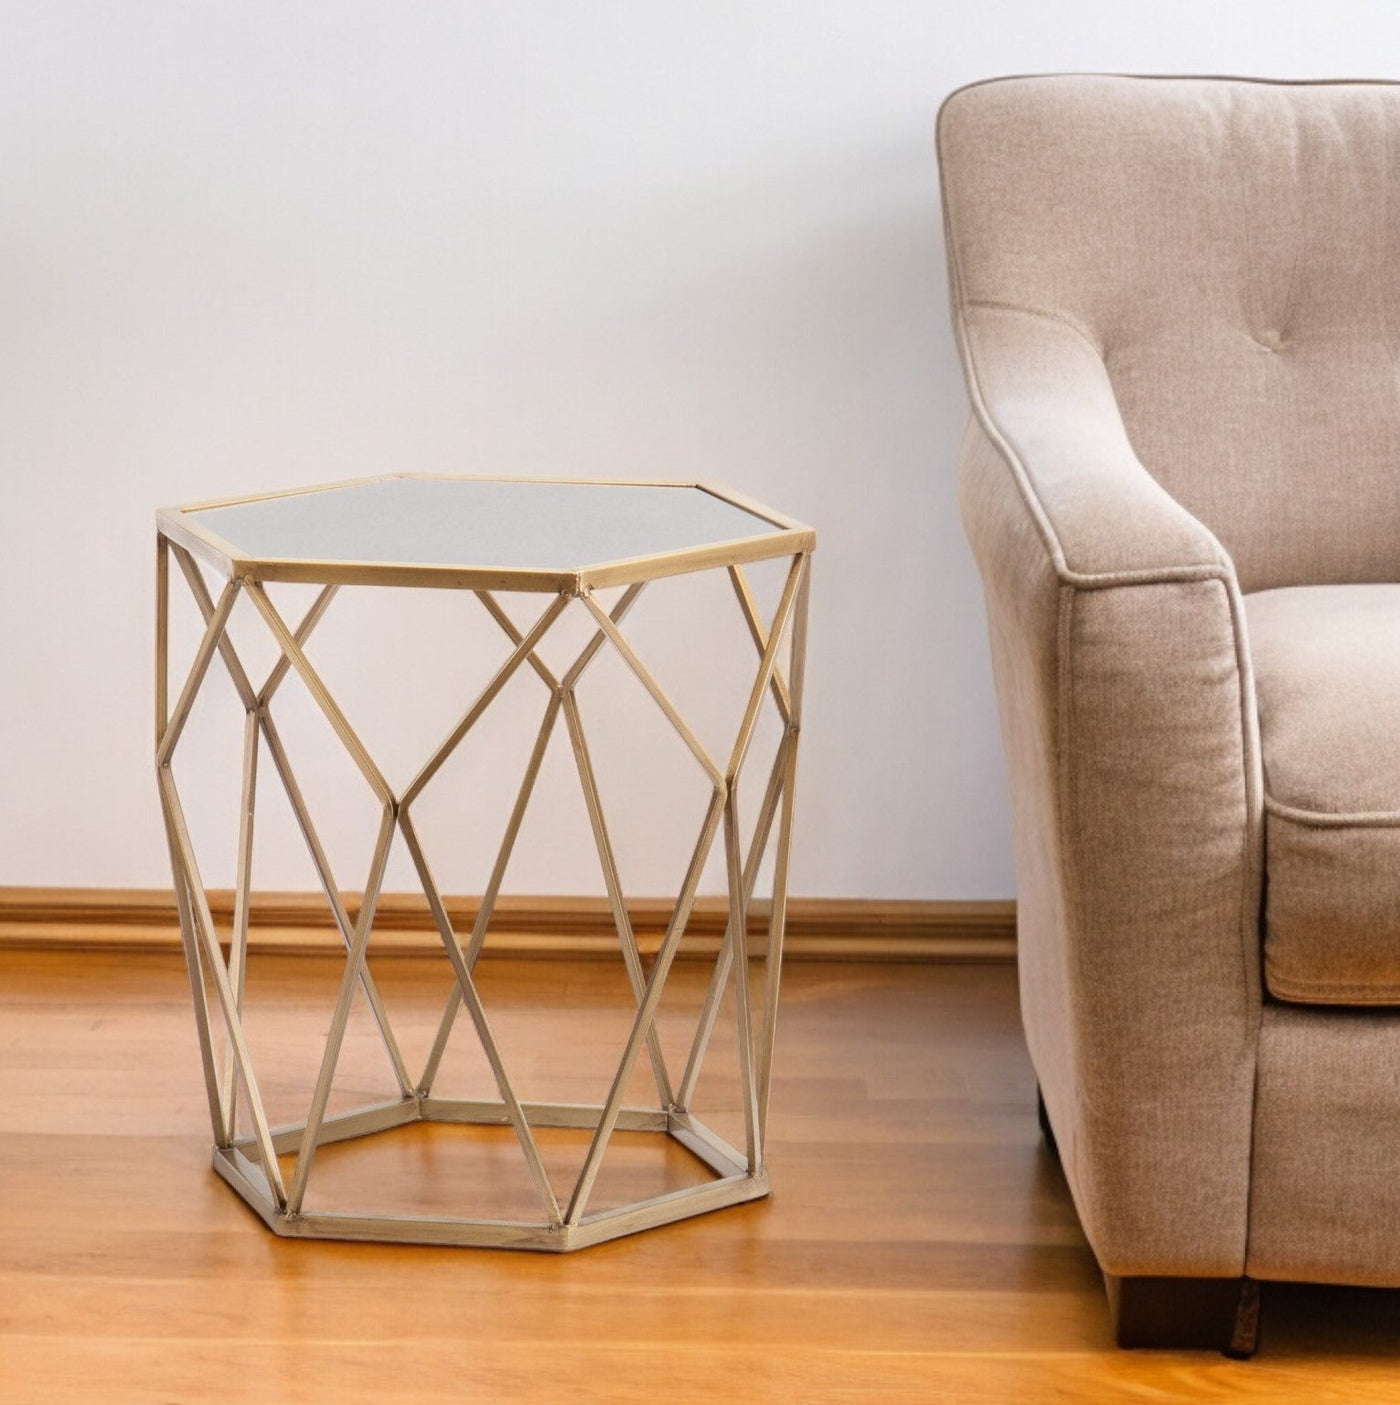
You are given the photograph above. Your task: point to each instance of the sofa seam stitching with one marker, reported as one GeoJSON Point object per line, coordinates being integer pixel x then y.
{"type": "Point", "coordinates": [1067, 808]}
{"type": "Point", "coordinates": [1255, 79]}
{"type": "Point", "coordinates": [1331, 819]}
{"type": "Point", "coordinates": [1252, 877]}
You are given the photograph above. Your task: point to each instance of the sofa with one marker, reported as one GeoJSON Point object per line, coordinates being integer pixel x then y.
{"type": "Point", "coordinates": [1177, 304]}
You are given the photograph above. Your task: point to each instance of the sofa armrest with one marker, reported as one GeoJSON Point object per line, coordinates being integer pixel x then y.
{"type": "Point", "coordinates": [1042, 394]}
{"type": "Point", "coordinates": [1128, 722]}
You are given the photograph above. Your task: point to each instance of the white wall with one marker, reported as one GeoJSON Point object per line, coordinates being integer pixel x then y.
{"type": "Point", "coordinates": [250, 245]}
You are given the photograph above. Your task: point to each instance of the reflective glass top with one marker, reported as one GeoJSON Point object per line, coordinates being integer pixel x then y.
{"type": "Point", "coordinates": [490, 524]}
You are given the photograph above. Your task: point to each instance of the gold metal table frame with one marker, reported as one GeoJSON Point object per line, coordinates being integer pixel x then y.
{"type": "Point", "coordinates": [249, 1161]}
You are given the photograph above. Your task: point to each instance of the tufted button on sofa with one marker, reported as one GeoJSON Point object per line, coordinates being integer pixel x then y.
{"type": "Point", "coordinates": [1177, 303]}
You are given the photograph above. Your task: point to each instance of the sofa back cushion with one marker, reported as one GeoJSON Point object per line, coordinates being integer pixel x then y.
{"type": "Point", "coordinates": [1232, 251]}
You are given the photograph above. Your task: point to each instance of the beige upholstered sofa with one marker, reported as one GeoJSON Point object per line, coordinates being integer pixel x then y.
{"type": "Point", "coordinates": [1178, 307]}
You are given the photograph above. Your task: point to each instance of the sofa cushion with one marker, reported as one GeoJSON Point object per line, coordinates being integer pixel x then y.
{"type": "Point", "coordinates": [1327, 670]}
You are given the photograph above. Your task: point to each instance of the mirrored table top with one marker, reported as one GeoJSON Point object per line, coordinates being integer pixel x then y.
{"type": "Point", "coordinates": [483, 533]}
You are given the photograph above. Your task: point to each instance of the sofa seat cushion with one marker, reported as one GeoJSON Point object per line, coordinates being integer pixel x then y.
{"type": "Point", "coordinates": [1327, 671]}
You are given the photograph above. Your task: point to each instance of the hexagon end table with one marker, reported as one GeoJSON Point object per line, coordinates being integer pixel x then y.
{"type": "Point", "coordinates": [560, 538]}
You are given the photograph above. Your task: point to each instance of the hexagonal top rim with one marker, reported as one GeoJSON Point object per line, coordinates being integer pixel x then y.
{"type": "Point", "coordinates": [483, 533]}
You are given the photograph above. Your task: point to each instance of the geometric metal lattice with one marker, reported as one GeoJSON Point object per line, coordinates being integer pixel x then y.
{"type": "Point", "coordinates": [249, 1162]}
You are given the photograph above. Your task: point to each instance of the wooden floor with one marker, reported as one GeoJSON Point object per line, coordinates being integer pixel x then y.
{"type": "Point", "coordinates": [919, 1245]}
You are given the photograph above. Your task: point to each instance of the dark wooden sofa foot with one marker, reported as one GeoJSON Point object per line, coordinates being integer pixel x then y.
{"type": "Point", "coordinates": [1201, 1314]}
{"type": "Point", "coordinates": [1043, 1117]}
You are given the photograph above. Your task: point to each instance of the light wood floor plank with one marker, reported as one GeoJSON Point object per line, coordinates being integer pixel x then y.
{"type": "Point", "coordinates": [920, 1245]}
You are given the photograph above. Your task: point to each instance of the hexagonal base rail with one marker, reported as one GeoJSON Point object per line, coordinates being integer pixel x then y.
{"type": "Point", "coordinates": [734, 1185]}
